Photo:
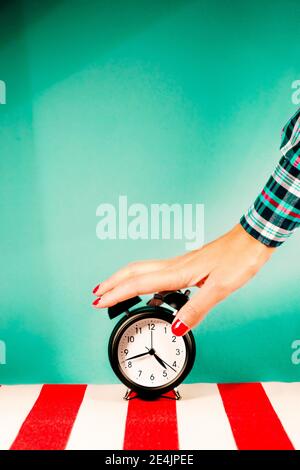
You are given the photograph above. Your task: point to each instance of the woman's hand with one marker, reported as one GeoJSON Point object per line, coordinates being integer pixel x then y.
{"type": "Point", "coordinates": [219, 268]}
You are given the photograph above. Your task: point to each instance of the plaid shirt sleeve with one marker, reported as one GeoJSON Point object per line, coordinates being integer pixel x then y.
{"type": "Point", "coordinates": [275, 214]}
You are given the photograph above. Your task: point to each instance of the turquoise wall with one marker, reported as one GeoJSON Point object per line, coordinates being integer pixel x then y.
{"type": "Point", "coordinates": [162, 101]}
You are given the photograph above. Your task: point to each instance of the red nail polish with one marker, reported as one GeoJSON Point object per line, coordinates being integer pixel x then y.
{"type": "Point", "coordinates": [96, 301]}
{"type": "Point", "coordinates": [96, 288]}
{"type": "Point", "coordinates": [179, 328]}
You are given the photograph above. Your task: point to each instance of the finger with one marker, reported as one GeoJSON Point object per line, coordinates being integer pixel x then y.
{"type": "Point", "coordinates": [147, 283]}
{"type": "Point", "coordinates": [197, 307]}
{"type": "Point", "coordinates": [132, 269]}
{"type": "Point", "coordinates": [140, 267]}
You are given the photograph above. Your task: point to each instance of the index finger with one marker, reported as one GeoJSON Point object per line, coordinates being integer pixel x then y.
{"type": "Point", "coordinates": [164, 279]}
{"type": "Point", "coordinates": [132, 269]}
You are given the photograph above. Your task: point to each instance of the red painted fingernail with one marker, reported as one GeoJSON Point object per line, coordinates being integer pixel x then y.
{"type": "Point", "coordinates": [96, 301]}
{"type": "Point", "coordinates": [179, 328]}
{"type": "Point", "coordinates": [96, 288]}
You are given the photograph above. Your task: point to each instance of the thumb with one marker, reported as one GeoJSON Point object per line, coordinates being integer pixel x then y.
{"type": "Point", "coordinates": [195, 309]}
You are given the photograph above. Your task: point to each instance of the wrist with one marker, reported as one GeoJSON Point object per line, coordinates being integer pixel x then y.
{"type": "Point", "coordinates": [254, 244]}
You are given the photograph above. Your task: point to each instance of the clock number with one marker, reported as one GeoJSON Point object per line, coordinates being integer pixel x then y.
{"type": "Point", "coordinates": [177, 352]}
{"type": "Point", "coordinates": [130, 339]}
{"type": "Point", "coordinates": [125, 352]}
{"type": "Point", "coordinates": [165, 329]}
{"type": "Point", "coordinates": [173, 339]}
{"type": "Point", "coordinates": [174, 364]}
{"type": "Point", "coordinates": [152, 377]}
{"type": "Point", "coordinates": [151, 326]}
{"type": "Point", "coordinates": [165, 373]}
{"type": "Point", "coordinates": [140, 373]}
{"type": "Point", "coordinates": [129, 364]}
{"type": "Point", "coordinates": [138, 330]}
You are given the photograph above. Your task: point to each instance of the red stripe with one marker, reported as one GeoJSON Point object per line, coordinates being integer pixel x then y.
{"type": "Point", "coordinates": [297, 162]}
{"type": "Point", "coordinates": [254, 423]}
{"type": "Point", "coordinates": [151, 425]}
{"type": "Point", "coordinates": [275, 204]}
{"type": "Point", "coordinates": [50, 421]}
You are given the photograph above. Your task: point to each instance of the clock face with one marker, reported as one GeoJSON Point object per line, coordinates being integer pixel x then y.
{"type": "Point", "coordinates": [149, 354]}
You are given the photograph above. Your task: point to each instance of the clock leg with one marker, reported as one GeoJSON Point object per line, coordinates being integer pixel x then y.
{"type": "Point", "coordinates": [127, 394]}
{"type": "Point", "coordinates": [177, 394]}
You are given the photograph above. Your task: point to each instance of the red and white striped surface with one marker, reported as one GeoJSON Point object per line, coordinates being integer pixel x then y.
{"type": "Point", "coordinates": [209, 416]}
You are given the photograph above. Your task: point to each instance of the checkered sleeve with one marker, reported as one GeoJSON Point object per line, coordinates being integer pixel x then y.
{"type": "Point", "coordinates": [275, 214]}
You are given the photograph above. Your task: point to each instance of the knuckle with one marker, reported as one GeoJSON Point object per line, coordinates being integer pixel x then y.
{"type": "Point", "coordinates": [132, 267]}
{"type": "Point", "coordinates": [133, 286]}
{"type": "Point", "coordinates": [176, 277]}
{"type": "Point", "coordinates": [222, 287]}
{"type": "Point", "coordinates": [191, 312]}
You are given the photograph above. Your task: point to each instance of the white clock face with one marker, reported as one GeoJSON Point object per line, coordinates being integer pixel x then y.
{"type": "Point", "coordinates": [160, 354]}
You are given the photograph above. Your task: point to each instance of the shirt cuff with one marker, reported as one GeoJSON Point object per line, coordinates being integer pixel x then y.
{"type": "Point", "coordinates": [275, 214]}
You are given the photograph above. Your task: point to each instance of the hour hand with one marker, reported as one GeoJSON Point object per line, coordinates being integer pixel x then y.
{"type": "Point", "coordinates": [161, 362]}
{"type": "Point", "coordinates": [152, 353]}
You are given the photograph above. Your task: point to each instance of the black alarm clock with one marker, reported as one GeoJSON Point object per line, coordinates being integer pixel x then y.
{"type": "Point", "coordinates": [143, 352]}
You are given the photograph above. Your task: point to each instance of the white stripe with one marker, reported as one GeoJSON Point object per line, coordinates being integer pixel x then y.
{"type": "Point", "coordinates": [270, 230]}
{"type": "Point", "coordinates": [100, 423]}
{"type": "Point", "coordinates": [285, 399]}
{"type": "Point", "coordinates": [202, 421]}
{"type": "Point", "coordinates": [294, 137]}
{"type": "Point", "coordinates": [293, 189]}
{"type": "Point", "coordinates": [15, 403]}
{"type": "Point", "coordinates": [262, 231]}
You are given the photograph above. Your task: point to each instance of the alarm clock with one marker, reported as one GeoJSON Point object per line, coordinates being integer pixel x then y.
{"type": "Point", "coordinates": [143, 352]}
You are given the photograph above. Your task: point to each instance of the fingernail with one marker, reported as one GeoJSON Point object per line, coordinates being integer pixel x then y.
{"type": "Point", "coordinates": [179, 328]}
{"type": "Point", "coordinates": [96, 288]}
{"type": "Point", "coordinates": [96, 301]}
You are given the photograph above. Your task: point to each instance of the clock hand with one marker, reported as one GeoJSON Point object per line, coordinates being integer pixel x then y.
{"type": "Point", "coordinates": [161, 362]}
{"type": "Point", "coordinates": [169, 365]}
{"type": "Point", "coordinates": [152, 353]}
{"type": "Point", "coordinates": [138, 355]}
{"type": "Point", "coordinates": [151, 332]}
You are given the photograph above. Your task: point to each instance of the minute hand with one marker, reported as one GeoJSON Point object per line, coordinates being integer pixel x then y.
{"type": "Point", "coordinates": [138, 355]}
{"type": "Point", "coordinates": [166, 364]}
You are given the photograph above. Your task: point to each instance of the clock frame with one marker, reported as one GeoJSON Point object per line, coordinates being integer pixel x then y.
{"type": "Point", "coordinates": [147, 312]}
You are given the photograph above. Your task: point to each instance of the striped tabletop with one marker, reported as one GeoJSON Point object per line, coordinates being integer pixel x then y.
{"type": "Point", "coordinates": [209, 416]}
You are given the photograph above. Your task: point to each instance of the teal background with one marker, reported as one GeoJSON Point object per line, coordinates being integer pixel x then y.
{"type": "Point", "coordinates": [163, 101]}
